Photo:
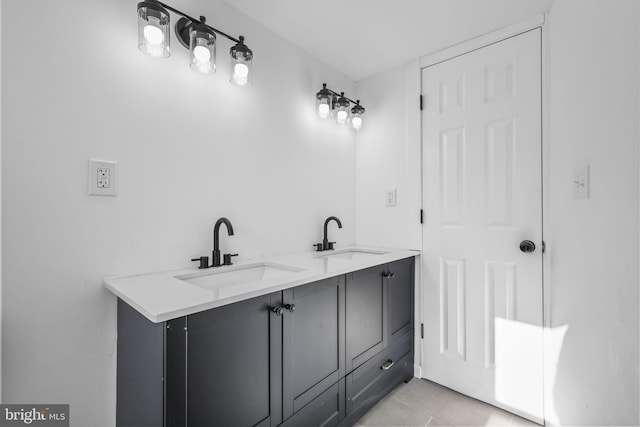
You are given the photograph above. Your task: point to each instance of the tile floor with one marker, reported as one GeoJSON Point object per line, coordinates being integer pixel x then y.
{"type": "Point", "coordinates": [423, 403]}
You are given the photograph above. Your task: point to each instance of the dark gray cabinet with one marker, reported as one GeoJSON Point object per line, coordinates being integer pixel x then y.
{"type": "Point", "coordinates": [140, 376]}
{"type": "Point", "coordinates": [313, 341]}
{"type": "Point", "coordinates": [326, 410]}
{"type": "Point", "coordinates": [379, 307]}
{"type": "Point", "coordinates": [337, 346]}
{"type": "Point", "coordinates": [379, 333]}
{"type": "Point", "coordinates": [216, 367]}
{"type": "Point", "coordinates": [365, 310]}
{"type": "Point", "coordinates": [231, 355]}
{"type": "Point", "coordinates": [400, 304]}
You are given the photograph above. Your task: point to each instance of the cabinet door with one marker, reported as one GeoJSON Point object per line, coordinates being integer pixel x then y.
{"type": "Point", "coordinates": [233, 365]}
{"type": "Point", "coordinates": [313, 342]}
{"type": "Point", "coordinates": [365, 318]}
{"type": "Point", "coordinates": [326, 410]}
{"type": "Point", "coordinates": [140, 389]}
{"type": "Point", "coordinates": [400, 305]}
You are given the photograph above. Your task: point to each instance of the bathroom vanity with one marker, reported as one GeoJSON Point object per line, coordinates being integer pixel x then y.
{"type": "Point", "coordinates": [305, 340]}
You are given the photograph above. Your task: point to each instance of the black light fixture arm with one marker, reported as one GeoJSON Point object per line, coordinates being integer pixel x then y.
{"type": "Point", "coordinates": [176, 11]}
{"type": "Point", "coordinates": [337, 94]}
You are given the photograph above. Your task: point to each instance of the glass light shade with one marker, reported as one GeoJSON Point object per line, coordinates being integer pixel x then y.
{"type": "Point", "coordinates": [334, 102]}
{"type": "Point", "coordinates": [241, 64]}
{"type": "Point", "coordinates": [153, 30]}
{"type": "Point", "coordinates": [202, 44]}
{"type": "Point", "coordinates": [342, 109]}
{"type": "Point", "coordinates": [356, 115]}
{"type": "Point", "coordinates": [324, 110]}
{"type": "Point", "coordinates": [356, 122]}
{"type": "Point", "coordinates": [323, 102]}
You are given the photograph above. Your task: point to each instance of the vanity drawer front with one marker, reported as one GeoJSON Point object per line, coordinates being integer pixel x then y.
{"type": "Point", "coordinates": [380, 374]}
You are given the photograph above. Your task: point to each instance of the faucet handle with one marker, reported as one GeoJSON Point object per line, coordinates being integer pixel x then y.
{"type": "Point", "coordinates": [204, 262]}
{"type": "Point", "coordinates": [331, 245]}
{"type": "Point", "coordinates": [318, 247]}
{"type": "Point", "coordinates": [226, 259]}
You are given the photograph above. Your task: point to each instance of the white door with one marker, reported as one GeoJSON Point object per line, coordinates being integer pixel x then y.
{"type": "Point", "coordinates": [482, 184]}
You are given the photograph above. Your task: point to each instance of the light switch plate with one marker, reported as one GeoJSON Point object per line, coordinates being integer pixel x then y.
{"type": "Point", "coordinates": [103, 178]}
{"type": "Point", "coordinates": [581, 182]}
{"type": "Point", "coordinates": [390, 198]}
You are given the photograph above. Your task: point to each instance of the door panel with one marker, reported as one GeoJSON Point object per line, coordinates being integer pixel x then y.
{"type": "Point", "coordinates": [313, 341]}
{"type": "Point", "coordinates": [400, 305]}
{"type": "Point", "coordinates": [366, 322]}
{"type": "Point", "coordinates": [231, 352]}
{"type": "Point", "coordinates": [482, 196]}
{"type": "Point", "coordinates": [326, 410]}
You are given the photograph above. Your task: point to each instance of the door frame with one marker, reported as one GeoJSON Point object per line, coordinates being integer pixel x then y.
{"type": "Point", "coordinates": [415, 171]}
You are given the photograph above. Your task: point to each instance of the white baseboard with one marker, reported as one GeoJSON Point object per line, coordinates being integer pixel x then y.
{"type": "Point", "coordinates": [417, 371]}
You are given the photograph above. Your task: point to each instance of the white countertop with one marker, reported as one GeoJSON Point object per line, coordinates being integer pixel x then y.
{"type": "Point", "coordinates": [167, 295]}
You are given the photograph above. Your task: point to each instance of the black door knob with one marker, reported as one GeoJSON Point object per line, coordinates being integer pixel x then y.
{"type": "Point", "coordinates": [527, 246]}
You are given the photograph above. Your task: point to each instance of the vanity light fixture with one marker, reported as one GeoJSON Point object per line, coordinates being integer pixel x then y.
{"type": "Point", "coordinates": [356, 115]}
{"type": "Point", "coordinates": [202, 44]}
{"type": "Point", "coordinates": [336, 105]}
{"type": "Point", "coordinates": [193, 34]}
{"type": "Point", "coordinates": [342, 109]}
{"type": "Point", "coordinates": [324, 102]}
{"type": "Point", "coordinates": [153, 29]}
{"type": "Point", "coordinates": [241, 61]}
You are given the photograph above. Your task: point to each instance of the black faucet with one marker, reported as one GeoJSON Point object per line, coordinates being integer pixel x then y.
{"type": "Point", "coordinates": [216, 242]}
{"type": "Point", "coordinates": [326, 245]}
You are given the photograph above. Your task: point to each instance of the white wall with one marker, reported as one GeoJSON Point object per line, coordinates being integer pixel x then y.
{"type": "Point", "coordinates": [593, 100]}
{"type": "Point", "coordinates": [386, 159]}
{"type": "Point", "coordinates": [593, 244]}
{"type": "Point", "coordinates": [190, 148]}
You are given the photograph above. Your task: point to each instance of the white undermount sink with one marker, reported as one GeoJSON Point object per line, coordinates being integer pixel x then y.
{"type": "Point", "coordinates": [223, 277]}
{"type": "Point", "coordinates": [352, 254]}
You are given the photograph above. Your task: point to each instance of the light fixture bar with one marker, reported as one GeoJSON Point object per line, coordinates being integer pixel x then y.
{"type": "Point", "coordinates": [330, 103]}
{"type": "Point", "coordinates": [337, 94]}
{"type": "Point", "coordinates": [184, 15]}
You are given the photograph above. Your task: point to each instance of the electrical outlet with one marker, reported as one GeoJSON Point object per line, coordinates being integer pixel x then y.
{"type": "Point", "coordinates": [390, 198]}
{"type": "Point", "coordinates": [103, 178]}
{"type": "Point", "coordinates": [581, 182]}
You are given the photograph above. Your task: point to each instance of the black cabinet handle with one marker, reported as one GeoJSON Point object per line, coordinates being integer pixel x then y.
{"type": "Point", "coordinates": [290, 307]}
{"type": "Point", "coordinates": [277, 310]}
{"type": "Point", "coordinates": [387, 365]}
{"type": "Point", "coordinates": [387, 274]}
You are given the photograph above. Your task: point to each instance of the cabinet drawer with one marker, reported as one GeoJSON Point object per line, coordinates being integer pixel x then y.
{"type": "Point", "coordinates": [326, 410]}
{"type": "Point", "coordinates": [382, 372]}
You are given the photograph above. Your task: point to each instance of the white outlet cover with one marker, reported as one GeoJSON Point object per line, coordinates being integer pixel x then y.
{"type": "Point", "coordinates": [581, 182]}
{"type": "Point", "coordinates": [390, 198]}
{"type": "Point", "coordinates": [103, 178]}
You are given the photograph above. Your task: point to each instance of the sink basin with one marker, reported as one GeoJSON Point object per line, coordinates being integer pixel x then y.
{"type": "Point", "coordinates": [352, 254]}
{"type": "Point", "coordinates": [237, 275]}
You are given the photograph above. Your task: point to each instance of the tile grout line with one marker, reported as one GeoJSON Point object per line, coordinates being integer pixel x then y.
{"type": "Point", "coordinates": [412, 407]}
